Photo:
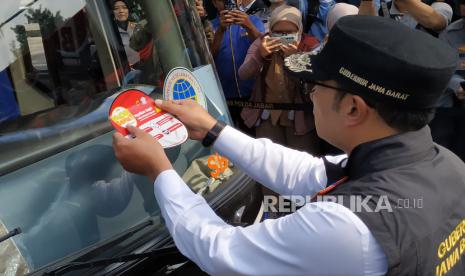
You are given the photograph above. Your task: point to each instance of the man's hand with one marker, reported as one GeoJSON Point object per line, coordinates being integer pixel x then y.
{"type": "Point", "coordinates": [423, 13]}
{"type": "Point", "coordinates": [269, 45]}
{"type": "Point", "coordinates": [289, 49]}
{"type": "Point", "coordinates": [226, 19]}
{"type": "Point", "coordinates": [200, 8]}
{"type": "Point", "coordinates": [242, 19]}
{"type": "Point", "coordinates": [197, 121]}
{"type": "Point", "coordinates": [141, 155]}
{"type": "Point", "coordinates": [460, 94]}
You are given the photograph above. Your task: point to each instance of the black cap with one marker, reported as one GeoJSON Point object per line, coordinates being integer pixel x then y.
{"type": "Point", "coordinates": [381, 59]}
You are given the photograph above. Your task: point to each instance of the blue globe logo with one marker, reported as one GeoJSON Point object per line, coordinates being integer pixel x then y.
{"type": "Point", "coordinates": [183, 90]}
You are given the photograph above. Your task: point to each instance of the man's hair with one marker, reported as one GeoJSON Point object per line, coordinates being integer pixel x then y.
{"type": "Point", "coordinates": [400, 119]}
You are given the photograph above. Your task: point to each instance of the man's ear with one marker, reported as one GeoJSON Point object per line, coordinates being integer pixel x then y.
{"type": "Point", "coordinates": [355, 110]}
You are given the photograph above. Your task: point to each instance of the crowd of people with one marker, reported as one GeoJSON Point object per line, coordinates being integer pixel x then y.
{"type": "Point", "coordinates": [252, 38]}
{"type": "Point", "coordinates": [249, 40]}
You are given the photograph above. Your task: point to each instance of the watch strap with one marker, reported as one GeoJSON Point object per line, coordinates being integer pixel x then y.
{"type": "Point", "coordinates": [213, 133]}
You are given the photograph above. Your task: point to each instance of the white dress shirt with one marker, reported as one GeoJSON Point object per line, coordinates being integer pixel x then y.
{"type": "Point", "coordinates": [321, 238]}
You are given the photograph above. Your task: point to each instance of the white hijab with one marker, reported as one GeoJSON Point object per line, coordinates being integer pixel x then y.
{"type": "Point", "coordinates": [337, 11]}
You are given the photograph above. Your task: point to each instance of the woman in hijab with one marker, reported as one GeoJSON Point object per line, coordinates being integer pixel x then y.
{"type": "Point", "coordinates": [264, 60]}
{"type": "Point", "coordinates": [337, 11]}
{"type": "Point", "coordinates": [138, 45]}
{"type": "Point", "coordinates": [126, 29]}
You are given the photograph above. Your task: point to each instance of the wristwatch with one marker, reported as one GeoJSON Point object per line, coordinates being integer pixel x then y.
{"type": "Point", "coordinates": [213, 133]}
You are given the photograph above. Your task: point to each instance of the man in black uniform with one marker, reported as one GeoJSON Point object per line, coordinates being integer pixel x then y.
{"type": "Point", "coordinates": [400, 85]}
{"type": "Point", "coordinates": [376, 84]}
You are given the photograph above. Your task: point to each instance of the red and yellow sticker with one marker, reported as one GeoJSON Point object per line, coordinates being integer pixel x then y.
{"type": "Point", "coordinates": [135, 108]}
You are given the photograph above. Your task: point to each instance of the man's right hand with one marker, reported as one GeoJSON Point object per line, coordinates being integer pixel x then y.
{"type": "Point", "coordinates": [226, 19]}
{"type": "Point", "coordinates": [197, 121]}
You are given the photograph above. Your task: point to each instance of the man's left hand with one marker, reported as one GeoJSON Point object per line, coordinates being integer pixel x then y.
{"type": "Point", "coordinates": [141, 155]}
{"type": "Point", "coordinates": [242, 19]}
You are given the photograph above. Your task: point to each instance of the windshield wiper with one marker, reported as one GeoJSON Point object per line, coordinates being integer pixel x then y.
{"type": "Point", "coordinates": [158, 253]}
{"type": "Point", "coordinates": [77, 265]}
{"type": "Point", "coordinates": [10, 234]}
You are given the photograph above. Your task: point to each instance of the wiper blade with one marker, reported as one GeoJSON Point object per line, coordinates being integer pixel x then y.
{"type": "Point", "coordinates": [10, 234]}
{"type": "Point", "coordinates": [161, 252]}
{"type": "Point", "coordinates": [93, 251]}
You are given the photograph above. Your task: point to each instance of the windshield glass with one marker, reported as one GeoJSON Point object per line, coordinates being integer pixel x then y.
{"type": "Point", "coordinates": [61, 65]}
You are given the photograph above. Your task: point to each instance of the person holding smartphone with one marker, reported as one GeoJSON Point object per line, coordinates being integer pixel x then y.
{"type": "Point", "coordinates": [265, 59]}
{"type": "Point", "coordinates": [234, 33]}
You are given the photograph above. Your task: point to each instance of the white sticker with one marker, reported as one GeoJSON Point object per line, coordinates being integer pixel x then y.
{"type": "Point", "coordinates": [181, 84]}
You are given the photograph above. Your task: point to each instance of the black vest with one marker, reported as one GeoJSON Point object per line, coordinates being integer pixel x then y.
{"type": "Point", "coordinates": [415, 191]}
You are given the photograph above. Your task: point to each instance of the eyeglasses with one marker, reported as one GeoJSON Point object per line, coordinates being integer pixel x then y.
{"type": "Point", "coordinates": [307, 92]}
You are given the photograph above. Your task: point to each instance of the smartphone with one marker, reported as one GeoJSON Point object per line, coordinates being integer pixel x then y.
{"type": "Point", "coordinates": [285, 38]}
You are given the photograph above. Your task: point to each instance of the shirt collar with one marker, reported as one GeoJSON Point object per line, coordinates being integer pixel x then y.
{"type": "Point", "coordinates": [246, 8]}
{"type": "Point", "coordinates": [390, 152]}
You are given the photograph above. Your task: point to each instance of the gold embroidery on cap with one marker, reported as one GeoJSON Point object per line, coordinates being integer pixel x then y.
{"type": "Point", "coordinates": [372, 86]}
{"type": "Point", "coordinates": [377, 88]}
{"type": "Point", "coordinates": [397, 95]}
{"type": "Point", "coordinates": [299, 63]}
{"type": "Point", "coordinates": [346, 73]}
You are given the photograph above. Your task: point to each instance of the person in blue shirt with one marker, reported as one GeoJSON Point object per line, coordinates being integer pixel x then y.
{"type": "Point", "coordinates": [8, 106]}
{"type": "Point", "coordinates": [234, 33]}
{"type": "Point", "coordinates": [318, 28]}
